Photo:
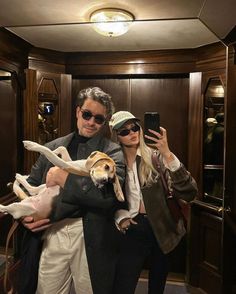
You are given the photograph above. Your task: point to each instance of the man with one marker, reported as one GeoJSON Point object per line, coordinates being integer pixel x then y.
{"type": "Point", "coordinates": [80, 247]}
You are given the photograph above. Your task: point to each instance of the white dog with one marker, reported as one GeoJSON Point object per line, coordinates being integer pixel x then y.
{"type": "Point", "coordinates": [98, 165]}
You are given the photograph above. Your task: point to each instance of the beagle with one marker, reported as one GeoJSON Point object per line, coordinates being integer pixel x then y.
{"type": "Point", "coordinates": [99, 166]}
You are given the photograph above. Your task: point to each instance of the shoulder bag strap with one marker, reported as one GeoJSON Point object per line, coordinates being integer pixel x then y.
{"type": "Point", "coordinates": [172, 202]}
{"type": "Point", "coordinates": [157, 165]}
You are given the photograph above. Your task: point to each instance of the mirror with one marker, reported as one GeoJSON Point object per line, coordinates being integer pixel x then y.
{"type": "Point", "coordinates": [48, 110]}
{"type": "Point", "coordinates": [213, 147]}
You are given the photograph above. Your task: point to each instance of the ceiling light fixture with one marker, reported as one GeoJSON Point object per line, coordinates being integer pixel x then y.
{"type": "Point", "coordinates": [111, 22]}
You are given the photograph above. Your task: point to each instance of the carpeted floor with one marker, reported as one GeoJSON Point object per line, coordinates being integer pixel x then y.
{"type": "Point", "coordinates": [171, 288]}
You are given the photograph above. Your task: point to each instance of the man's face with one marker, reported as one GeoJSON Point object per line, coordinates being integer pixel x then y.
{"type": "Point", "coordinates": [90, 118]}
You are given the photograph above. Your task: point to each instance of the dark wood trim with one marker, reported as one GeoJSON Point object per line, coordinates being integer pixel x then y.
{"type": "Point", "coordinates": [195, 128]}
{"type": "Point", "coordinates": [130, 63]}
{"type": "Point", "coordinates": [130, 69]}
{"type": "Point", "coordinates": [30, 119]}
{"type": "Point", "coordinates": [209, 207]}
{"type": "Point", "coordinates": [47, 55]}
{"type": "Point", "coordinates": [205, 259]}
{"type": "Point", "coordinates": [47, 60]}
{"type": "Point", "coordinates": [230, 155]}
{"type": "Point", "coordinates": [13, 51]}
{"type": "Point", "coordinates": [65, 105]}
{"type": "Point", "coordinates": [133, 57]}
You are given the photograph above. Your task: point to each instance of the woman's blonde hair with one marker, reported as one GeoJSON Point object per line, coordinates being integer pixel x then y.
{"type": "Point", "coordinates": [147, 173]}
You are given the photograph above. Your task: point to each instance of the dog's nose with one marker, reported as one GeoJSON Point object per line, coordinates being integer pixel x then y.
{"type": "Point", "coordinates": [104, 180]}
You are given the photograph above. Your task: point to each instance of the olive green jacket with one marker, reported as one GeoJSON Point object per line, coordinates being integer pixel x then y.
{"type": "Point", "coordinates": [166, 231]}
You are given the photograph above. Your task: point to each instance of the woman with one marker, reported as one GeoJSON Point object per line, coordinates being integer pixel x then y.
{"type": "Point", "coordinates": [148, 227]}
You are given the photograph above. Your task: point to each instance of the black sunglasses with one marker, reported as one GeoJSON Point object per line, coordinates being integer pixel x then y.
{"type": "Point", "coordinates": [125, 132]}
{"type": "Point", "coordinates": [98, 118]}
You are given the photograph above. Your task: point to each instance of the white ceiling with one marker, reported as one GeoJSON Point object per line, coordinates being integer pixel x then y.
{"type": "Point", "coordinates": [63, 25]}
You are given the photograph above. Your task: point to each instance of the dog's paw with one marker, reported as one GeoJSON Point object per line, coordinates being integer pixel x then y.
{"type": "Point", "coordinates": [19, 177]}
{"type": "Point", "coordinates": [29, 145]}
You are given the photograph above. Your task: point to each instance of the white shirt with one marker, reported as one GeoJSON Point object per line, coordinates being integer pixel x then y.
{"type": "Point", "coordinates": [133, 190]}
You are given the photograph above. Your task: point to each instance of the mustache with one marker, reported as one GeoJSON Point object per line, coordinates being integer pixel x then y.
{"type": "Point", "coordinates": [90, 128]}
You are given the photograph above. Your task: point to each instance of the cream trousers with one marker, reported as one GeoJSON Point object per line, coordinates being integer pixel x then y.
{"type": "Point", "coordinates": [63, 260]}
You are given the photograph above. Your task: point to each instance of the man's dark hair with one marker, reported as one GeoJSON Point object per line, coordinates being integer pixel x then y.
{"type": "Point", "coordinates": [220, 117]}
{"type": "Point", "coordinates": [98, 95]}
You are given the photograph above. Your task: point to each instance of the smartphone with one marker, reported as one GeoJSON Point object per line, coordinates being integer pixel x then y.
{"type": "Point", "coordinates": [151, 121]}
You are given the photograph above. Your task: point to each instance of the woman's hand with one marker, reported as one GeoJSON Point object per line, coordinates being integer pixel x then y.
{"type": "Point", "coordinates": [35, 226]}
{"type": "Point", "coordinates": [56, 176]}
{"type": "Point", "coordinates": [161, 143]}
{"type": "Point", "coordinates": [125, 223]}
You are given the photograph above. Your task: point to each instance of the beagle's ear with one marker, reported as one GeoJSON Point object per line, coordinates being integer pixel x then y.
{"type": "Point", "coordinates": [117, 189]}
{"type": "Point", "coordinates": [90, 160]}
{"type": "Point", "coordinates": [93, 154]}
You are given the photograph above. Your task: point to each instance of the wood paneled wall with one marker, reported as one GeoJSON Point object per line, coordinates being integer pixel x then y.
{"type": "Point", "coordinates": [8, 135]}
{"type": "Point", "coordinates": [130, 63]}
{"type": "Point", "coordinates": [205, 259]}
{"type": "Point", "coordinates": [229, 262]}
{"type": "Point", "coordinates": [46, 60]}
{"type": "Point", "coordinates": [211, 61]}
{"type": "Point", "coordinates": [195, 128]}
{"type": "Point", "coordinates": [13, 59]}
{"type": "Point", "coordinates": [13, 52]}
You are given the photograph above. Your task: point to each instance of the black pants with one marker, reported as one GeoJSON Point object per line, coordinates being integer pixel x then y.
{"type": "Point", "coordinates": [30, 255]}
{"type": "Point", "coordinates": [138, 244]}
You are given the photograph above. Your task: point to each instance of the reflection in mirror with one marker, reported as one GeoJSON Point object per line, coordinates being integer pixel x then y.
{"type": "Point", "coordinates": [48, 110]}
{"type": "Point", "coordinates": [47, 121]}
{"type": "Point", "coordinates": [213, 139]}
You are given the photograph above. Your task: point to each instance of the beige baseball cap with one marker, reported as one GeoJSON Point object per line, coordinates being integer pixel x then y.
{"type": "Point", "coordinates": [121, 117]}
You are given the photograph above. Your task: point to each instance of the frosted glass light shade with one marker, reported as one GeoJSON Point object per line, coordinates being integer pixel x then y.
{"type": "Point", "coordinates": [111, 22]}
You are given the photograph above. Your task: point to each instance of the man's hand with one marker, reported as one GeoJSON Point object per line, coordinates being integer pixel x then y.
{"type": "Point", "coordinates": [35, 226]}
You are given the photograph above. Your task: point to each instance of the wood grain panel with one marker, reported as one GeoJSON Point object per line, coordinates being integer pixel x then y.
{"type": "Point", "coordinates": [169, 97]}
{"type": "Point", "coordinates": [131, 57]}
{"type": "Point", "coordinates": [126, 63]}
{"type": "Point", "coordinates": [195, 128]}
{"type": "Point", "coordinates": [30, 120]}
{"type": "Point", "coordinates": [210, 253]}
{"type": "Point", "coordinates": [230, 154]}
{"type": "Point", "coordinates": [229, 240]}
{"type": "Point", "coordinates": [46, 60]}
{"type": "Point", "coordinates": [211, 57]}
{"type": "Point", "coordinates": [65, 109]}
{"type": "Point", "coordinates": [205, 259]}
{"type": "Point", "coordinates": [8, 135]}
{"type": "Point", "coordinates": [13, 51]}
{"type": "Point", "coordinates": [128, 69]}
{"type": "Point", "coordinates": [46, 66]}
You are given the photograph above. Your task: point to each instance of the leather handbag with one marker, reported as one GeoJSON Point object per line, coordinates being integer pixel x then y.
{"type": "Point", "coordinates": [178, 208]}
